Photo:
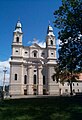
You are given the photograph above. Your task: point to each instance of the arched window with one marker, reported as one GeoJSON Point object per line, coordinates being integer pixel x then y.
{"type": "Point", "coordinates": [51, 42]}
{"type": "Point", "coordinates": [17, 39]}
{"type": "Point", "coordinates": [15, 76]}
{"type": "Point", "coordinates": [34, 79]}
{"type": "Point", "coordinates": [44, 82]}
{"type": "Point", "coordinates": [25, 79]}
{"type": "Point", "coordinates": [35, 54]}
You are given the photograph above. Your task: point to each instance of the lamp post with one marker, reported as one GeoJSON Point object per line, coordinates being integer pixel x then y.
{"type": "Point", "coordinates": [4, 71]}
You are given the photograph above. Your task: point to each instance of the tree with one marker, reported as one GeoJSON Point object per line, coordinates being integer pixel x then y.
{"type": "Point", "coordinates": [68, 18]}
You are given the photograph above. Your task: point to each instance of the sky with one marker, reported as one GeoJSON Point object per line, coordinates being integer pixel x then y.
{"type": "Point", "coordinates": [34, 16]}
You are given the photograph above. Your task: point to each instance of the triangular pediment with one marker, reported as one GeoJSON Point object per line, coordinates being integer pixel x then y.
{"type": "Point", "coordinates": [35, 45]}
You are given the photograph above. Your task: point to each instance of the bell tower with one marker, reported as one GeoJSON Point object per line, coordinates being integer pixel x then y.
{"type": "Point", "coordinates": [16, 64]}
{"type": "Point", "coordinates": [53, 86]}
{"type": "Point", "coordinates": [17, 40]}
{"type": "Point", "coordinates": [50, 39]}
{"type": "Point", "coordinates": [17, 34]}
{"type": "Point", "coordinates": [50, 43]}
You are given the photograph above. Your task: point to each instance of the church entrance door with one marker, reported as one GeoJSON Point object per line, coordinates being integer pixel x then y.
{"type": "Point", "coordinates": [25, 91]}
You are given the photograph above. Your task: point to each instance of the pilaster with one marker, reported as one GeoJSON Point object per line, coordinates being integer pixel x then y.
{"type": "Point", "coordinates": [40, 81]}
{"type": "Point", "coordinates": [30, 80]}
{"type": "Point", "coordinates": [22, 79]}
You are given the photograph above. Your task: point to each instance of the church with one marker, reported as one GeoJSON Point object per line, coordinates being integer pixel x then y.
{"type": "Point", "coordinates": [32, 67]}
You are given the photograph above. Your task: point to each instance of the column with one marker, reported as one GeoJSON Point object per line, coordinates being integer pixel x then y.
{"type": "Point", "coordinates": [30, 81]}
{"type": "Point", "coordinates": [40, 81]}
{"type": "Point", "coordinates": [10, 80]}
{"type": "Point", "coordinates": [48, 80]}
{"type": "Point", "coordinates": [22, 80]}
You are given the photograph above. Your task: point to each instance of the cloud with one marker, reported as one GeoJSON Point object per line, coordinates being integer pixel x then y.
{"type": "Point", "coordinates": [4, 64]}
{"type": "Point", "coordinates": [29, 42]}
{"type": "Point", "coordinates": [58, 42]}
{"type": "Point", "coordinates": [42, 44]}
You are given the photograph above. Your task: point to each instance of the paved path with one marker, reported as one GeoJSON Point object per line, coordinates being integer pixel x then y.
{"type": "Point", "coordinates": [31, 96]}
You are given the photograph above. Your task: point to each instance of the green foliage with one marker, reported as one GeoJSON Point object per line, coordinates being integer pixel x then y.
{"type": "Point", "coordinates": [68, 18]}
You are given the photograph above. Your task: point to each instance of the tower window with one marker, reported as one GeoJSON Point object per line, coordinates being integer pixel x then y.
{"type": "Point", "coordinates": [73, 90]}
{"type": "Point", "coordinates": [34, 79]}
{"type": "Point", "coordinates": [16, 50]}
{"type": "Point", "coordinates": [25, 79]}
{"type": "Point", "coordinates": [54, 77]}
{"type": "Point", "coordinates": [42, 53]}
{"type": "Point", "coordinates": [73, 84]}
{"type": "Point", "coordinates": [77, 84]}
{"type": "Point", "coordinates": [51, 53]}
{"type": "Point", "coordinates": [78, 90]}
{"type": "Point", "coordinates": [15, 76]}
{"type": "Point", "coordinates": [34, 70]}
{"type": "Point", "coordinates": [26, 52]}
{"type": "Point", "coordinates": [66, 90]}
{"type": "Point", "coordinates": [44, 80]}
{"type": "Point", "coordinates": [17, 39]}
{"type": "Point", "coordinates": [51, 42]}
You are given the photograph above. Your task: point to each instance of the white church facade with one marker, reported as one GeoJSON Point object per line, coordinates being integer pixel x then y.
{"type": "Point", "coordinates": [32, 67]}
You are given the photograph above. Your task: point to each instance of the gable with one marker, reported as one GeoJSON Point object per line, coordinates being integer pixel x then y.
{"type": "Point", "coordinates": [35, 45]}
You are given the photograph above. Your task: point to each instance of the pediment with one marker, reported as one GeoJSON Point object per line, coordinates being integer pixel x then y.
{"type": "Point", "coordinates": [35, 45]}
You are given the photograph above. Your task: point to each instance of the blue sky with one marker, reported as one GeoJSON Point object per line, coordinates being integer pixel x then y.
{"type": "Point", "coordinates": [34, 16]}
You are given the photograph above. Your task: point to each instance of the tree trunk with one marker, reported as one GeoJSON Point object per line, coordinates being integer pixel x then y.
{"type": "Point", "coordinates": [71, 92]}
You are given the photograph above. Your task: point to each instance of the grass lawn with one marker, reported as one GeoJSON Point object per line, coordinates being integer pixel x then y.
{"type": "Point", "coordinates": [52, 108]}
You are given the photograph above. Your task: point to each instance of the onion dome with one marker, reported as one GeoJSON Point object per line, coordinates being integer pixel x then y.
{"type": "Point", "coordinates": [50, 31]}
{"type": "Point", "coordinates": [18, 27]}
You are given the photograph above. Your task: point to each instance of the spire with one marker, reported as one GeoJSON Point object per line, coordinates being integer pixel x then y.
{"type": "Point", "coordinates": [50, 30]}
{"type": "Point", "coordinates": [18, 27]}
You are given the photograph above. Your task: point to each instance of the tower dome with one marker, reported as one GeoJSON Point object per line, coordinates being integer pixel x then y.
{"type": "Point", "coordinates": [18, 27]}
{"type": "Point", "coordinates": [50, 30]}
